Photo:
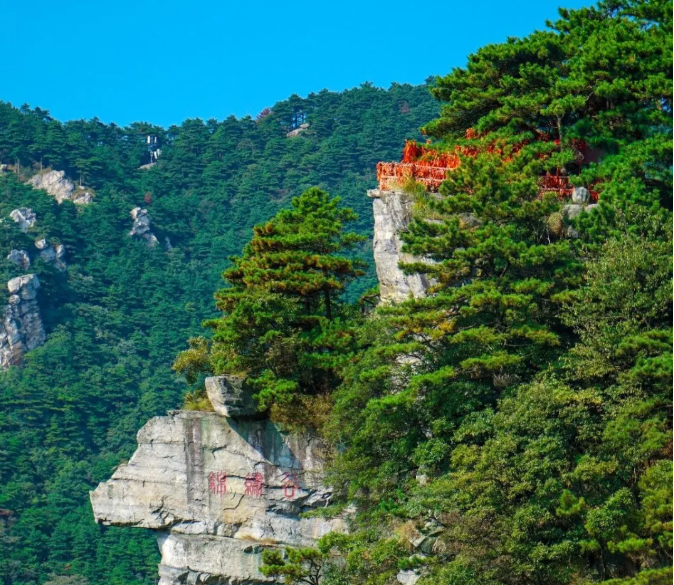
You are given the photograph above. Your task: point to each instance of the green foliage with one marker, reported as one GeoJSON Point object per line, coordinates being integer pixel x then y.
{"type": "Point", "coordinates": [285, 321]}
{"type": "Point", "coordinates": [301, 565]}
{"type": "Point", "coordinates": [119, 315]}
{"type": "Point", "coordinates": [197, 400]}
{"type": "Point", "coordinates": [514, 426]}
{"type": "Point", "coordinates": [517, 418]}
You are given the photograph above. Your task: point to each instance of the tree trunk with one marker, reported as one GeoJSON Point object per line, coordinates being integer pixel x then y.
{"type": "Point", "coordinates": [328, 308]}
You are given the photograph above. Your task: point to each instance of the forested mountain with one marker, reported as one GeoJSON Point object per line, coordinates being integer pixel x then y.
{"type": "Point", "coordinates": [510, 427]}
{"type": "Point", "coordinates": [122, 311]}
{"type": "Point", "coordinates": [514, 425]}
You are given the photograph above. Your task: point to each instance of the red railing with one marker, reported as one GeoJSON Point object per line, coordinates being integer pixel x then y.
{"type": "Point", "coordinates": [430, 167]}
{"type": "Point", "coordinates": [391, 175]}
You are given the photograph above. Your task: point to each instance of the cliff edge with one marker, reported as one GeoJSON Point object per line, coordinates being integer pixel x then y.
{"type": "Point", "coordinates": [217, 491]}
{"type": "Point", "coordinates": [392, 210]}
{"type": "Point", "coordinates": [219, 487]}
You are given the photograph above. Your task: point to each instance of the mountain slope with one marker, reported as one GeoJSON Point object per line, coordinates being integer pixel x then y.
{"type": "Point", "coordinates": [119, 314]}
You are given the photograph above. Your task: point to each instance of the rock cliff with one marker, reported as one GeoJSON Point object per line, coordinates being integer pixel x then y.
{"type": "Point", "coordinates": [20, 258]}
{"type": "Point", "coordinates": [21, 328]}
{"type": "Point", "coordinates": [25, 217]}
{"type": "Point", "coordinates": [52, 253]}
{"type": "Point", "coordinates": [392, 214]}
{"type": "Point", "coordinates": [60, 187]}
{"type": "Point", "coordinates": [218, 487]}
{"type": "Point", "coordinates": [141, 226]}
{"type": "Point", "coordinates": [217, 490]}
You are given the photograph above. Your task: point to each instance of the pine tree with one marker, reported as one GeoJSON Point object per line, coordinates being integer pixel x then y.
{"type": "Point", "coordinates": [518, 410]}
{"type": "Point", "coordinates": [285, 323]}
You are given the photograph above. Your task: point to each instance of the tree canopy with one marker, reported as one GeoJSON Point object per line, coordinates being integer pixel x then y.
{"type": "Point", "coordinates": [284, 313]}
{"type": "Point", "coordinates": [512, 427]}
{"type": "Point", "coordinates": [118, 316]}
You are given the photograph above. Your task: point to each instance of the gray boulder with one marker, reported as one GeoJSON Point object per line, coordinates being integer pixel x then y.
{"type": "Point", "coordinates": [25, 217]}
{"type": "Point", "coordinates": [21, 327]}
{"type": "Point", "coordinates": [141, 226]}
{"type": "Point", "coordinates": [572, 211]}
{"type": "Point", "coordinates": [580, 196]}
{"type": "Point", "coordinates": [231, 396]}
{"type": "Point", "coordinates": [20, 258]}
{"type": "Point", "coordinates": [52, 254]}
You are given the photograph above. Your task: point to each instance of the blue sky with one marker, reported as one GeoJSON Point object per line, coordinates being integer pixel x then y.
{"type": "Point", "coordinates": [164, 61]}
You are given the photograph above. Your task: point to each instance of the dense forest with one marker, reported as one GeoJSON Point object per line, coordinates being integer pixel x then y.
{"type": "Point", "coordinates": [122, 311]}
{"type": "Point", "coordinates": [513, 427]}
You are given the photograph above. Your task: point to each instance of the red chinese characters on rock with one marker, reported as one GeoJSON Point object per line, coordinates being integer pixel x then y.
{"type": "Point", "coordinates": [290, 484]}
{"type": "Point", "coordinates": [254, 485]}
{"type": "Point", "coordinates": [217, 483]}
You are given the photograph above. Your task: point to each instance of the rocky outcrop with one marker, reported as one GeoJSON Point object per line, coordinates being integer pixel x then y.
{"type": "Point", "coordinates": [230, 397]}
{"type": "Point", "coordinates": [580, 203]}
{"type": "Point", "coordinates": [20, 258]}
{"type": "Point", "coordinates": [218, 487]}
{"type": "Point", "coordinates": [53, 254]}
{"type": "Point", "coordinates": [60, 187]}
{"type": "Point", "coordinates": [392, 214]}
{"type": "Point", "coordinates": [217, 490]}
{"type": "Point", "coordinates": [21, 329]}
{"type": "Point", "coordinates": [25, 217]}
{"type": "Point", "coordinates": [297, 131]}
{"type": "Point", "coordinates": [141, 226]}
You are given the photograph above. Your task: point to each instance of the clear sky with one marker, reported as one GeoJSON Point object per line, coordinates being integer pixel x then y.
{"type": "Point", "coordinates": [164, 61]}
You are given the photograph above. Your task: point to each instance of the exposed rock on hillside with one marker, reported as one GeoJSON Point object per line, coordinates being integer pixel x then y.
{"type": "Point", "coordinates": [20, 258]}
{"type": "Point", "coordinates": [220, 486]}
{"type": "Point", "coordinates": [230, 397]}
{"type": "Point", "coordinates": [218, 490]}
{"type": "Point", "coordinates": [392, 214]}
{"type": "Point", "coordinates": [52, 254]}
{"type": "Point", "coordinates": [61, 188]}
{"type": "Point", "coordinates": [25, 217]}
{"type": "Point", "coordinates": [297, 131]}
{"type": "Point", "coordinates": [580, 203]}
{"type": "Point", "coordinates": [21, 329]}
{"type": "Point", "coordinates": [141, 226]}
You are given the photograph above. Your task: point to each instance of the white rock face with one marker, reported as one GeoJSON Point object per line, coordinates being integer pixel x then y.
{"type": "Point", "coordinates": [52, 254]}
{"type": "Point", "coordinates": [20, 258]}
{"type": "Point", "coordinates": [25, 217]}
{"type": "Point", "coordinates": [229, 397]}
{"type": "Point", "coordinates": [297, 131]}
{"type": "Point", "coordinates": [218, 491]}
{"type": "Point", "coordinates": [141, 226]}
{"type": "Point", "coordinates": [408, 577]}
{"type": "Point", "coordinates": [21, 328]}
{"type": "Point", "coordinates": [392, 215]}
{"type": "Point", "coordinates": [61, 188]}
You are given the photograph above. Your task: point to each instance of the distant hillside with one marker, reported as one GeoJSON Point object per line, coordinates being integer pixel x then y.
{"type": "Point", "coordinates": [118, 315]}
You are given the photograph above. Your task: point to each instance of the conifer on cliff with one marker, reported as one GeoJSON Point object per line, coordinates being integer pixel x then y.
{"type": "Point", "coordinates": [283, 323]}
{"type": "Point", "coordinates": [514, 422]}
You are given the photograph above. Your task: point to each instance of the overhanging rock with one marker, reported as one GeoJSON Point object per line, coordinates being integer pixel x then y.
{"type": "Point", "coordinates": [218, 491]}
{"type": "Point", "coordinates": [230, 396]}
